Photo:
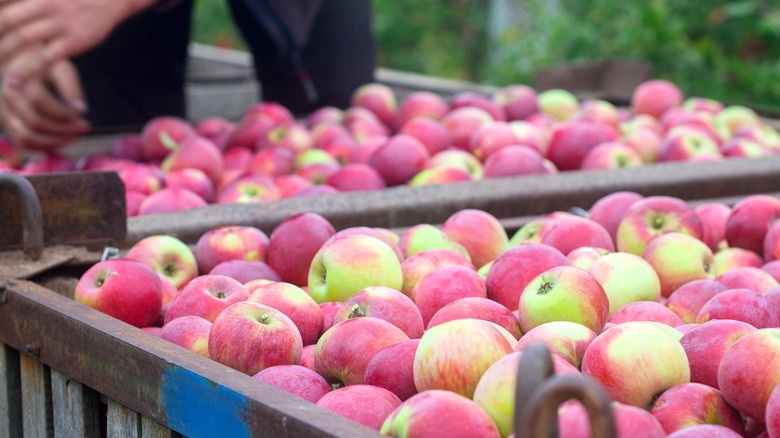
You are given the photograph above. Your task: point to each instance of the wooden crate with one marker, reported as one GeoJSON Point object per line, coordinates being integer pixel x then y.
{"type": "Point", "coordinates": [69, 371]}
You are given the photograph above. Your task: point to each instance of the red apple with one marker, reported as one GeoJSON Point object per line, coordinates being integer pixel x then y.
{"type": "Point", "coordinates": [558, 103]}
{"type": "Point", "coordinates": [749, 221]}
{"type": "Point", "coordinates": [392, 368]}
{"type": "Point", "coordinates": [677, 259]}
{"type": "Point", "coordinates": [516, 267]}
{"type": "Point", "coordinates": [296, 380]}
{"type": "Point", "coordinates": [444, 285]}
{"type": "Point", "coordinates": [356, 177]}
{"type": "Point", "coordinates": [495, 391]}
{"type": "Point", "coordinates": [348, 264]}
{"type": "Point", "coordinates": [250, 337]}
{"type": "Point", "coordinates": [571, 141]}
{"type": "Point", "coordinates": [440, 413]}
{"type": "Point", "coordinates": [748, 277]}
{"type": "Point", "coordinates": [377, 98]}
{"type": "Point", "coordinates": [230, 243]}
{"type": "Point", "coordinates": [462, 122]}
{"type": "Point", "coordinates": [687, 300]}
{"type": "Point", "coordinates": [190, 332]}
{"type": "Point", "coordinates": [383, 303]}
{"type": "Point", "coordinates": [217, 129]}
{"type": "Point", "coordinates": [245, 271]}
{"type": "Point", "coordinates": [653, 216]}
{"type": "Point", "coordinates": [168, 256]}
{"type": "Point", "coordinates": [611, 155]}
{"type": "Point", "coordinates": [616, 271]}
{"type": "Point", "coordinates": [292, 135]}
{"type": "Point", "coordinates": [418, 265]}
{"type": "Point", "coordinates": [748, 372]}
{"type": "Point", "coordinates": [142, 178]}
{"type": "Point", "coordinates": [705, 431]}
{"type": "Point", "coordinates": [483, 246]}
{"type": "Point", "coordinates": [630, 421]}
{"type": "Point", "coordinates": [295, 304]}
{"type": "Point", "coordinates": [706, 344]}
{"type": "Point", "coordinates": [570, 233]}
{"type": "Point", "coordinates": [655, 96]}
{"type": "Point", "coordinates": [293, 244]}
{"type": "Point", "coordinates": [518, 101]}
{"type": "Point", "coordinates": [612, 357]}
{"type": "Point", "coordinates": [569, 340]}
{"type": "Point", "coordinates": [329, 310]}
{"type": "Point", "coordinates": [423, 237]}
{"type": "Point", "coordinates": [687, 144]}
{"type": "Point", "coordinates": [454, 355]}
{"type": "Point", "coordinates": [689, 404]}
{"type": "Point", "coordinates": [368, 405]}
{"type": "Point", "coordinates": [126, 289]}
{"type": "Point", "coordinates": [609, 210]}
{"type": "Point", "coordinates": [773, 413]}
{"type": "Point", "coordinates": [195, 152]}
{"type": "Point", "coordinates": [156, 135]}
{"type": "Point", "coordinates": [169, 200]}
{"type": "Point", "coordinates": [421, 104]}
{"type": "Point", "coordinates": [439, 175]}
{"type": "Point", "coordinates": [430, 132]}
{"type": "Point", "coordinates": [563, 293]}
{"type": "Point", "coordinates": [514, 161]}
{"type": "Point", "coordinates": [206, 296]}
{"type": "Point", "coordinates": [730, 258]}
{"type": "Point", "coordinates": [644, 141]}
{"type": "Point", "coordinates": [398, 160]}
{"type": "Point", "coordinates": [740, 305]}
{"type": "Point", "coordinates": [772, 243]}
{"type": "Point", "coordinates": [252, 187]}
{"type": "Point", "coordinates": [646, 311]}
{"type": "Point", "coordinates": [478, 308]}
{"type": "Point", "coordinates": [344, 350]}
{"type": "Point", "coordinates": [193, 180]}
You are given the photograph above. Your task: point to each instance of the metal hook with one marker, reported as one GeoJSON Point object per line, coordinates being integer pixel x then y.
{"type": "Point", "coordinates": [540, 419]}
{"type": "Point", "coordinates": [30, 207]}
{"type": "Point", "coordinates": [536, 366]}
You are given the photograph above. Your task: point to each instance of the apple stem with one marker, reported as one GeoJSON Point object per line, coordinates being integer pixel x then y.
{"type": "Point", "coordinates": [264, 318]}
{"type": "Point", "coordinates": [356, 312]}
{"type": "Point", "coordinates": [545, 288]}
{"type": "Point", "coordinates": [221, 295]}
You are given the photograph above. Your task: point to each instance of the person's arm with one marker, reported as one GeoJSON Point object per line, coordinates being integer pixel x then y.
{"type": "Point", "coordinates": [46, 112]}
{"type": "Point", "coordinates": [63, 28]}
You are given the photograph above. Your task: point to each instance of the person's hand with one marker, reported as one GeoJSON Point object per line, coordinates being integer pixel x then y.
{"type": "Point", "coordinates": [62, 28]}
{"type": "Point", "coordinates": [46, 112]}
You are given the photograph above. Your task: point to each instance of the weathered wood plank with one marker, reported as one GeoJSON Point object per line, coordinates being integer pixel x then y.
{"type": "Point", "coordinates": [180, 389]}
{"type": "Point", "coordinates": [10, 393]}
{"type": "Point", "coordinates": [76, 408]}
{"type": "Point", "coordinates": [122, 422]}
{"type": "Point", "coordinates": [153, 429]}
{"type": "Point", "coordinates": [36, 397]}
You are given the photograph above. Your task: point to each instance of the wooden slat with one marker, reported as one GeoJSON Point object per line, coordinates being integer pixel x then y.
{"type": "Point", "coordinates": [76, 408]}
{"type": "Point", "coordinates": [180, 389]}
{"type": "Point", "coordinates": [502, 197]}
{"type": "Point", "coordinates": [122, 422]}
{"type": "Point", "coordinates": [10, 393]}
{"type": "Point", "coordinates": [36, 398]}
{"type": "Point", "coordinates": [153, 429]}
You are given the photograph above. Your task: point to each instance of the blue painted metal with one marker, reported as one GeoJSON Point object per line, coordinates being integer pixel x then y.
{"type": "Point", "coordinates": [196, 406]}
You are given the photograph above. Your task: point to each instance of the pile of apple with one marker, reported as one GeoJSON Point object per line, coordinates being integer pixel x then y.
{"type": "Point", "coordinates": [381, 141]}
{"type": "Point", "coordinates": [673, 308]}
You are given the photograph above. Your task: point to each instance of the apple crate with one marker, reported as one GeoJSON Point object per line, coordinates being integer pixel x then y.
{"type": "Point", "coordinates": [69, 370]}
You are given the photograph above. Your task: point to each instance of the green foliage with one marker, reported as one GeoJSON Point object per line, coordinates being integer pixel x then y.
{"type": "Point", "coordinates": [723, 49]}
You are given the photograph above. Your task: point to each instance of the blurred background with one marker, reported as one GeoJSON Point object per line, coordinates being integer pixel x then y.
{"type": "Point", "coordinates": [726, 50]}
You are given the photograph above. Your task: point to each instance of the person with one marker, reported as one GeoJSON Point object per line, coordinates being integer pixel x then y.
{"type": "Point", "coordinates": [75, 66]}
